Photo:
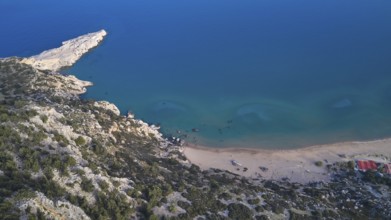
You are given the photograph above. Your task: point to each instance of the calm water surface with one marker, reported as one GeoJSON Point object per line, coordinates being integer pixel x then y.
{"type": "Point", "coordinates": [266, 74]}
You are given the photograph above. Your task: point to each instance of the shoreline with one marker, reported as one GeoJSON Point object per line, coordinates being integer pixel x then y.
{"type": "Point", "coordinates": [297, 165]}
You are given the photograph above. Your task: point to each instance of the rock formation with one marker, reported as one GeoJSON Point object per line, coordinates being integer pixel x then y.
{"type": "Point", "coordinates": [67, 54]}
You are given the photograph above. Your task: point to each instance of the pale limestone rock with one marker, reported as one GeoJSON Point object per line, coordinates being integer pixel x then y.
{"type": "Point", "coordinates": [75, 85]}
{"type": "Point", "coordinates": [67, 54]}
{"type": "Point", "coordinates": [108, 106]}
{"type": "Point", "coordinates": [145, 130]}
{"type": "Point", "coordinates": [53, 209]}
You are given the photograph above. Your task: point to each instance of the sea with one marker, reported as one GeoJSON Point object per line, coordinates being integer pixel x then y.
{"type": "Point", "coordinates": [270, 74]}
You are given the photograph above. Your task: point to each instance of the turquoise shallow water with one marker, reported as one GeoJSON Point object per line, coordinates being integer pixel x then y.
{"type": "Point", "coordinates": [269, 74]}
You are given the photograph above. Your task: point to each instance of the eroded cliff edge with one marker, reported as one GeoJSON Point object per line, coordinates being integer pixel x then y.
{"type": "Point", "coordinates": [67, 158]}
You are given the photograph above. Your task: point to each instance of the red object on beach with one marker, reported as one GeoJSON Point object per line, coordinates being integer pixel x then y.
{"type": "Point", "coordinates": [387, 168]}
{"type": "Point", "coordinates": [365, 165]}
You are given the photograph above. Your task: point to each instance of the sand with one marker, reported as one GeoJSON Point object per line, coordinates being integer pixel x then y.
{"type": "Point", "coordinates": [298, 164]}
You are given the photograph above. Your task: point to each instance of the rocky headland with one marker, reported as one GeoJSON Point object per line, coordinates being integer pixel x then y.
{"type": "Point", "coordinates": [68, 158]}
{"type": "Point", "coordinates": [67, 54]}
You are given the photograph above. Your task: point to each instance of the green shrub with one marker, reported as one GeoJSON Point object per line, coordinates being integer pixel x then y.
{"type": "Point", "coordinates": [154, 195]}
{"type": "Point", "coordinates": [8, 210]}
{"type": "Point", "coordinates": [61, 139]}
{"type": "Point", "coordinates": [86, 185]}
{"type": "Point", "coordinates": [98, 148]}
{"type": "Point", "coordinates": [239, 211]}
{"type": "Point", "coordinates": [351, 165]}
{"type": "Point", "coordinates": [44, 118]}
{"type": "Point", "coordinates": [225, 196]}
{"type": "Point", "coordinates": [319, 163]}
{"type": "Point", "coordinates": [116, 183]}
{"type": "Point", "coordinates": [31, 113]}
{"type": "Point", "coordinates": [80, 141]}
{"type": "Point", "coordinates": [48, 172]}
{"type": "Point", "coordinates": [172, 207]}
{"type": "Point", "coordinates": [20, 103]}
{"type": "Point", "coordinates": [4, 117]}
{"type": "Point", "coordinates": [103, 185]}
{"type": "Point", "coordinates": [70, 161]}
{"type": "Point", "coordinates": [253, 201]}
{"type": "Point", "coordinates": [37, 137]}
{"type": "Point", "coordinates": [25, 194]}
{"type": "Point", "coordinates": [80, 172]}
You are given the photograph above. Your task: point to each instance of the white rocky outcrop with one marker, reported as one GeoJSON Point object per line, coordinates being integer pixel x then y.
{"type": "Point", "coordinates": [144, 129]}
{"type": "Point", "coordinates": [67, 54]}
{"type": "Point", "coordinates": [52, 209]}
{"type": "Point", "coordinates": [107, 105]}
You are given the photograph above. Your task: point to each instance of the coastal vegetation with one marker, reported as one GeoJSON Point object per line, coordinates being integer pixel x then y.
{"type": "Point", "coordinates": [67, 157]}
{"type": "Point", "coordinates": [319, 163]}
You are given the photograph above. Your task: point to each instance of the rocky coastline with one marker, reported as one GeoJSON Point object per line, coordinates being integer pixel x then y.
{"type": "Point", "coordinates": [68, 158]}
{"type": "Point", "coordinates": [66, 55]}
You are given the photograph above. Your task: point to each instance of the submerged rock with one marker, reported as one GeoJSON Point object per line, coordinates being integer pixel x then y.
{"type": "Point", "coordinates": [167, 109]}
{"type": "Point", "coordinates": [195, 130]}
{"type": "Point", "coordinates": [344, 103]}
{"type": "Point", "coordinates": [252, 113]}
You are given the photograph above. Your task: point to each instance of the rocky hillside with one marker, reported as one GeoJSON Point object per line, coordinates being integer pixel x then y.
{"type": "Point", "coordinates": [67, 158]}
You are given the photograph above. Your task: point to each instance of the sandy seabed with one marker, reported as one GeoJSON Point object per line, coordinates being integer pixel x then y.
{"type": "Point", "coordinates": [297, 164]}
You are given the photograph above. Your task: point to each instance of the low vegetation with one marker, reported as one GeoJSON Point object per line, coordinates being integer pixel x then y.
{"type": "Point", "coordinates": [101, 163]}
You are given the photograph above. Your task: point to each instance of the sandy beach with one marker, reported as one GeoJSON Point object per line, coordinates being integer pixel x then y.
{"type": "Point", "coordinates": [297, 164]}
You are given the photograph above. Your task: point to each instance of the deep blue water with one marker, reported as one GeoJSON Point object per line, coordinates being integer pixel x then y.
{"type": "Point", "coordinates": [256, 73]}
